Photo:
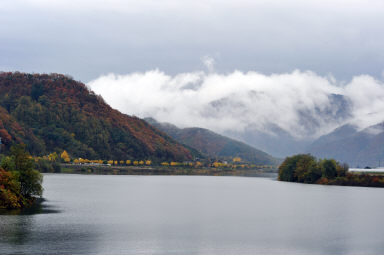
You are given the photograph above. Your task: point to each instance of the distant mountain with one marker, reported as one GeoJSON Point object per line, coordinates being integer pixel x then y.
{"type": "Point", "coordinates": [212, 144]}
{"type": "Point", "coordinates": [277, 141]}
{"type": "Point", "coordinates": [347, 144]}
{"type": "Point", "coordinates": [55, 113]}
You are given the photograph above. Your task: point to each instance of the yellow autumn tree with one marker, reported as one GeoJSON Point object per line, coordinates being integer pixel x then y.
{"type": "Point", "coordinates": [236, 159]}
{"type": "Point", "coordinates": [128, 162]}
{"type": "Point", "coordinates": [64, 156]}
{"type": "Point", "coordinates": [148, 162]}
{"type": "Point", "coordinates": [53, 156]}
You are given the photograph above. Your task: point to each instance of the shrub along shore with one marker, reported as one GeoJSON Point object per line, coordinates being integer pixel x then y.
{"type": "Point", "coordinates": [20, 184]}
{"type": "Point", "coordinates": [305, 168]}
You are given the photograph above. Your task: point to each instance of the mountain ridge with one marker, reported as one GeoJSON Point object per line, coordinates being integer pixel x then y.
{"type": "Point", "coordinates": [54, 113]}
{"type": "Point", "coordinates": [212, 144]}
{"type": "Point", "coordinates": [358, 148]}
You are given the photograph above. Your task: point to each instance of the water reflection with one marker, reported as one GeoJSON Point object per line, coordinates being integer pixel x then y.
{"type": "Point", "coordinates": [16, 225]}
{"type": "Point", "coordinates": [37, 230]}
{"type": "Point", "coordinates": [40, 207]}
{"type": "Point", "coordinates": [195, 215]}
{"type": "Point", "coordinates": [16, 230]}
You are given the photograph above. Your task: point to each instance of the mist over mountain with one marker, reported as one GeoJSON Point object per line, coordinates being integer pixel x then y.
{"type": "Point", "coordinates": [280, 113]}
{"type": "Point", "coordinates": [358, 148]}
{"type": "Point", "coordinates": [279, 143]}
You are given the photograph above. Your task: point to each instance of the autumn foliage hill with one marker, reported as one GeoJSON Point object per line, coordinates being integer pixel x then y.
{"type": "Point", "coordinates": [214, 145]}
{"type": "Point", "coordinates": [55, 113]}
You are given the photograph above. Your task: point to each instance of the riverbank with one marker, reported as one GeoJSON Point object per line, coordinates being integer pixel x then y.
{"type": "Point", "coordinates": [160, 170]}
{"type": "Point", "coordinates": [375, 180]}
{"type": "Point", "coordinates": [35, 207]}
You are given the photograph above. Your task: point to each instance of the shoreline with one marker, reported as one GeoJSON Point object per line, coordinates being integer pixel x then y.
{"type": "Point", "coordinates": [131, 170]}
{"type": "Point", "coordinates": [223, 173]}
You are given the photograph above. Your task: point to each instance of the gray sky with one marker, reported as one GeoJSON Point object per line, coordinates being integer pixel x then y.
{"type": "Point", "coordinates": [225, 65]}
{"type": "Point", "coordinates": [90, 38]}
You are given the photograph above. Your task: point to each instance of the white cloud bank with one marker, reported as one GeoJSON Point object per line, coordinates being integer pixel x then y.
{"type": "Point", "coordinates": [303, 104]}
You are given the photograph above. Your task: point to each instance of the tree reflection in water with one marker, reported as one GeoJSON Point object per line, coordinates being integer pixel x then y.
{"type": "Point", "coordinates": [22, 232]}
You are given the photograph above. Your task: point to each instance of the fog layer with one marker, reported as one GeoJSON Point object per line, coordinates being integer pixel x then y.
{"type": "Point", "coordinates": [301, 103]}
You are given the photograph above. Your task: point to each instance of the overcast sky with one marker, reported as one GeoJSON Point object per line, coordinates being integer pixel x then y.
{"type": "Point", "coordinates": [89, 38]}
{"type": "Point", "coordinates": [220, 64]}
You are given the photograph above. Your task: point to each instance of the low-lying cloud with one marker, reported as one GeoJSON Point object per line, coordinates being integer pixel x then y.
{"type": "Point", "coordinates": [303, 104]}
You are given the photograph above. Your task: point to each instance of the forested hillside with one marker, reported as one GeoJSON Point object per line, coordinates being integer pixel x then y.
{"type": "Point", "coordinates": [55, 113]}
{"type": "Point", "coordinates": [214, 145]}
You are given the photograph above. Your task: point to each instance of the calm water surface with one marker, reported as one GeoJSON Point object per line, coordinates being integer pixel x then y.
{"type": "Point", "coordinates": [94, 214]}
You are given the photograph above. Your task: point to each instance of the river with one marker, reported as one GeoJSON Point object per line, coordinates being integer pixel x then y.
{"type": "Point", "coordinates": [98, 214]}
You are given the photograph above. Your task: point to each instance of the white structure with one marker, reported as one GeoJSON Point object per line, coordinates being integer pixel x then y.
{"type": "Point", "coordinates": [376, 170]}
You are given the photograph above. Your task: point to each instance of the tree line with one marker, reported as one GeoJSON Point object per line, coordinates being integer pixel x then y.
{"type": "Point", "coordinates": [305, 168]}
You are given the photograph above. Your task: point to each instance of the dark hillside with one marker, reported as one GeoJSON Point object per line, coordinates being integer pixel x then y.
{"type": "Point", "coordinates": [55, 113]}
{"type": "Point", "coordinates": [214, 145]}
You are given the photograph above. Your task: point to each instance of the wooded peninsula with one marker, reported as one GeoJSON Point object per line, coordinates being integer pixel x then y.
{"type": "Point", "coordinates": [305, 168]}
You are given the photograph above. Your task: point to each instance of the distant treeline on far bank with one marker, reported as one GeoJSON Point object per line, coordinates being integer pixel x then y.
{"type": "Point", "coordinates": [305, 168]}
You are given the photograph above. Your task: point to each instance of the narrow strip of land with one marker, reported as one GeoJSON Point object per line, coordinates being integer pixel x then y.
{"type": "Point", "coordinates": [160, 170]}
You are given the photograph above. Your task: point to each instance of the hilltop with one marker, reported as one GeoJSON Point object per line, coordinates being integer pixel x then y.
{"type": "Point", "coordinates": [53, 112]}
